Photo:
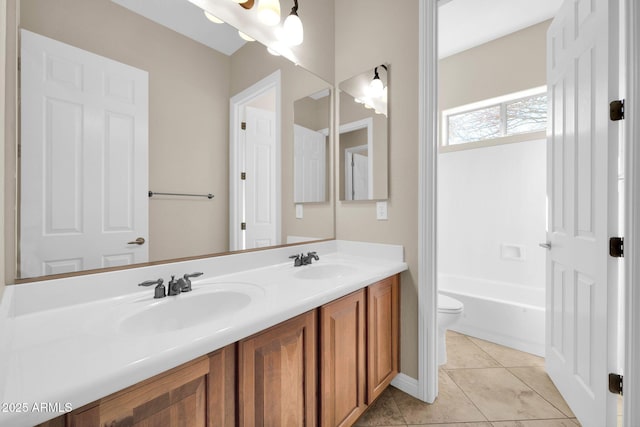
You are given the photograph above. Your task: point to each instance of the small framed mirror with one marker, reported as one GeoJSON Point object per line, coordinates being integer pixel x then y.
{"type": "Point", "coordinates": [363, 143]}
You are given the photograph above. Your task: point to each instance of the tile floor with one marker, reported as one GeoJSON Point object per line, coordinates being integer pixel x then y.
{"type": "Point", "coordinates": [482, 385]}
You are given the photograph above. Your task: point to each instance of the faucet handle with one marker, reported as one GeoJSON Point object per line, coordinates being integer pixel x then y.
{"type": "Point", "coordinates": [185, 282]}
{"type": "Point", "coordinates": [297, 260]}
{"type": "Point", "coordinates": [160, 289]}
{"type": "Point", "coordinates": [151, 282]}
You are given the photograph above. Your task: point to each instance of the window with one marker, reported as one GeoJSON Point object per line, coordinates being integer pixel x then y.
{"type": "Point", "coordinates": [496, 119]}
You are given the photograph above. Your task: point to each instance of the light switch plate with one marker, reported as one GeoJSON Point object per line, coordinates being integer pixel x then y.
{"type": "Point", "coordinates": [381, 211]}
{"type": "Point", "coordinates": [299, 212]}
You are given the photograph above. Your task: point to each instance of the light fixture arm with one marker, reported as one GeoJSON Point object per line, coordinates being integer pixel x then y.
{"type": "Point", "coordinates": [294, 9]}
{"type": "Point", "coordinates": [375, 70]}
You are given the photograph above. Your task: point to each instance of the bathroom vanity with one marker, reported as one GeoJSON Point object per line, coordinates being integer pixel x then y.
{"type": "Point", "coordinates": [315, 345]}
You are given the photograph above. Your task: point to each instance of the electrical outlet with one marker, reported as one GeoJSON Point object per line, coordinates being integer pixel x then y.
{"type": "Point", "coordinates": [381, 211]}
{"type": "Point", "coordinates": [299, 212]}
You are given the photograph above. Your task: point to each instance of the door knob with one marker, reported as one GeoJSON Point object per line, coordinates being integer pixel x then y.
{"type": "Point", "coordinates": [546, 245]}
{"type": "Point", "coordinates": [138, 241]}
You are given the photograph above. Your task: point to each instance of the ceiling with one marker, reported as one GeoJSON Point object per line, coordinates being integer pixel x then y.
{"type": "Point", "coordinates": [463, 24]}
{"type": "Point", "coordinates": [187, 19]}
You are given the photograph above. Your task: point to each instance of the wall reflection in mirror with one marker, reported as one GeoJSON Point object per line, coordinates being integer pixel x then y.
{"type": "Point", "coordinates": [363, 147]}
{"type": "Point", "coordinates": [136, 98]}
{"type": "Point", "coordinates": [310, 147]}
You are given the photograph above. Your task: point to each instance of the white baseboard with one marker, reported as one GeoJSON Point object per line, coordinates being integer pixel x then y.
{"type": "Point", "coordinates": [406, 383]}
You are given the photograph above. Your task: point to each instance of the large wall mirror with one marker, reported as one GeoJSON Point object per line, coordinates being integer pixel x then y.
{"type": "Point", "coordinates": [150, 133]}
{"type": "Point", "coordinates": [363, 147]}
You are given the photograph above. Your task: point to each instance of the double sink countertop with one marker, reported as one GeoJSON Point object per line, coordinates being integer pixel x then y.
{"type": "Point", "coordinates": [69, 342]}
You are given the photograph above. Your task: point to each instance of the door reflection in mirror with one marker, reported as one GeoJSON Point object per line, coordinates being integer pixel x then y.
{"type": "Point", "coordinates": [310, 139]}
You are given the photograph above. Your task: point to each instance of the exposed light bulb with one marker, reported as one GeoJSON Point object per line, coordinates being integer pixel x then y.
{"type": "Point", "coordinates": [243, 36]}
{"type": "Point", "coordinates": [293, 31]}
{"type": "Point", "coordinates": [238, 1]}
{"type": "Point", "coordinates": [376, 88]}
{"type": "Point", "coordinates": [213, 18]}
{"type": "Point", "coordinates": [269, 12]}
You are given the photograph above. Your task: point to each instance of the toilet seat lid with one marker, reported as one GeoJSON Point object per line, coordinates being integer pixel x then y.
{"type": "Point", "coordinates": [446, 304]}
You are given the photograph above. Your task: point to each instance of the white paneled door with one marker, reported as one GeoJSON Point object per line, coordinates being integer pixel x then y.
{"type": "Point", "coordinates": [84, 159]}
{"type": "Point", "coordinates": [582, 64]}
{"type": "Point", "coordinates": [260, 183]}
{"type": "Point", "coordinates": [310, 165]}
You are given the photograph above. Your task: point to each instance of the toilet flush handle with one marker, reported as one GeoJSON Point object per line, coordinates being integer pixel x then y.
{"type": "Point", "coordinates": [546, 245]}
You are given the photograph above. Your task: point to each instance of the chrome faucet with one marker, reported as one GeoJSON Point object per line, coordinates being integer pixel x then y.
{"type": "Point", "coordinates": [183, 284]}
{"type": "Point", "coordinates": [159, 290]}
{"type": "Point", "coordinates": [302, 259]}
{"type": "Point", "coordinates": [175, 287]}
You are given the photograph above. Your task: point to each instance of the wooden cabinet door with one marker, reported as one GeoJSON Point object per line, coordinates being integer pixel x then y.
{"type": "Point", "coordinates": [222, 387]}
{"type": "Point", "coordinates": [382, 335]}
{"type": "Point", "coordinates": [277, 375]}
{"type": "Point", "coordinates": [174, 399]}
{"type": "Point", "coordinates": [342, 366]}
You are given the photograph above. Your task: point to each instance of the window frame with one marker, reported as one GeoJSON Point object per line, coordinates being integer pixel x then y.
{"type": "Point", "coordinates": [501, 101]}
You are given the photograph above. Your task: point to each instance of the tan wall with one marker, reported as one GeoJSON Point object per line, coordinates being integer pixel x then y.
{"type": "Point", "coordinates": [252, 63]}
{"type": "Point", "coordinates": [393, 39]}
{"type": "Point", "coordinates": [509, 64]}
{"type": "Point", "coordinates": [188, 115]}
{"type": "Point", "coordinates": [312, 113]}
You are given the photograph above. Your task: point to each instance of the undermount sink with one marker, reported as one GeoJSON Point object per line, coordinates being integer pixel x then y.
{"type": "Point", "coordinates": [324, 271]}
{"type": "Point", "coordinates": [186, 310]}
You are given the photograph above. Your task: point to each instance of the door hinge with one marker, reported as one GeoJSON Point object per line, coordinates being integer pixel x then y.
{"type": "Point", "coordinates": [616, 247]}
{"type": "Point", "coordinates": [243, 175]}
{"type": "Point", "coordinates": [243, 125]}
{"type": "Point", "coordinates": [616, 110]}
{"type": "Point", "coordinates": [243, 226]}
{"type": "Point", "coordinates": [615, 384]}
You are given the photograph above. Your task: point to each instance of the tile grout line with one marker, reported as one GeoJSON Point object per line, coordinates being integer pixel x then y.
{"type": "Point", "coordinates": [467, 396]}
{"type": "Point", "coordinates": [541, 396]}
{"type": "Point", "coordinates": [501, 366]}
{"type": "Point", "coordinates": [399, 410]}
{"type": "Point", "coordinates": [462, 390]}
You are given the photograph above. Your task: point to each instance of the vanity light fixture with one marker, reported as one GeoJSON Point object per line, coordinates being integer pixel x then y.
{"type": "Point", "coordinates": [269, 12]}
{"type": "Point", "coordinates": [243, 36]}
{"type": "Point", "coordinates": [213, 18]}
{"type": "Point", "coordinates": [293, 30]}
{"type": "Point", "coordinates": [376, 87]}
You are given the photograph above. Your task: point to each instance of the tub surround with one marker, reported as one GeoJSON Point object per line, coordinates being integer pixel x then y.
{"type": "Point", "coordinates": [61, 338]}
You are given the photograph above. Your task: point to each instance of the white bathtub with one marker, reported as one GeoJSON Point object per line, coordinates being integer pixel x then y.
{"type": "Point", "coordinates": [504, 313]}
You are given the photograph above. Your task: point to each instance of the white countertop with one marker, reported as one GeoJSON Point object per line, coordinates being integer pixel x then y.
{"type": "Point", "coordinates": [63, 344]}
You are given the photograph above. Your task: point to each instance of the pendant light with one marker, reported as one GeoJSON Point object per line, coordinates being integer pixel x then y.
{"type": "Point", "coordinates": [293, 31]}
{"type": "Point", "coordinates": [269, 12]}
{"type": "Point", "coordinates": [376, 87]}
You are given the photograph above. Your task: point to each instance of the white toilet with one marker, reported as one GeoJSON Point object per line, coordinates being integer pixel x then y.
{"type": "Point", "coordinates": [449, 312]}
